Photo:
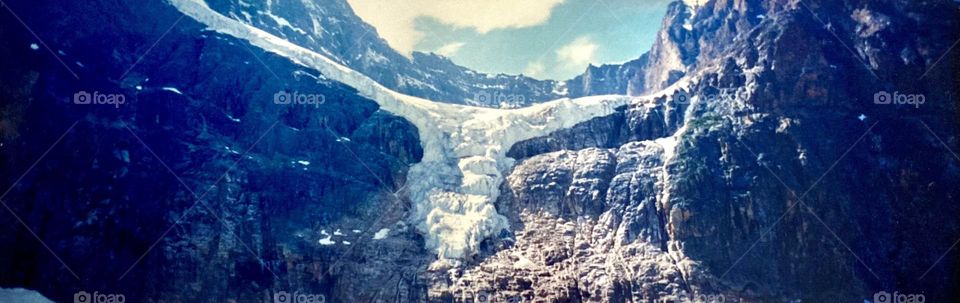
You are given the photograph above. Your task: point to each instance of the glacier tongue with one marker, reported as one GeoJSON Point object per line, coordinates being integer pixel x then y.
{"type": "Point", "coordinates": [456, 184]}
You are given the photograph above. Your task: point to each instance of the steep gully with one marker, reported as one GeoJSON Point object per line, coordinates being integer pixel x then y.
{"type": "Point", "coordinates": [465, 158]}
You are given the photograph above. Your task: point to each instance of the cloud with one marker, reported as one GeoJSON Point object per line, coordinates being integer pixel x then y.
{"type": "Point", "coordinates": [578, 54]}
{"type": "Point", "coordinates": [450, 49]}
{"type": "Point", "coordinates": [395, 20]}
{"type": "Point", "coordinates": [695, 3]}
{"type": "Point", "coordinates": [570, 59]}
{"type": "Point", "coordinates": [535, 69]}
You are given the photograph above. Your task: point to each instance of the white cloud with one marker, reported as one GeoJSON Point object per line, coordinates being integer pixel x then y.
{"type": "Point", "coordinates": [450, 49]}
{"type": "Point", "coordinates": [395, 19]}
{"type": "Point", "coordinates": [570, 59]}
{"type": "Point", "coordinates": [578, 54]}
{"type": "Point", "coordinates": [695, 3]}
{"type": "Point", "coordinates": [535, 69]}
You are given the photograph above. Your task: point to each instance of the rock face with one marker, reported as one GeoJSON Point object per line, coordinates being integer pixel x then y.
{"type": "Point", "coordinates": [625, 79]}
{"type": "Point", "coordinates": [782, 180]}
{"type": "Point", "coordinates": [212, 194]}
{"type": "Point", "coordinates": [691, 37]}
{"type": "Point", "coordinates": [759, 168]}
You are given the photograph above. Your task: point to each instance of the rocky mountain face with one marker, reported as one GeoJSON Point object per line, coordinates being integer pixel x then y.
{"type": "Point", "coordinates": [331, 28]}
{"type": "Point", "coordinates": [610, 79]}
{"type": "Point", "coordinates": [199, 187]}
{"type": "Point", "coordinates": [691, 35]}
{"type": "Point", "coordinates": [765, 171]}
{"type": "Point", "coordinates": [771, 173]}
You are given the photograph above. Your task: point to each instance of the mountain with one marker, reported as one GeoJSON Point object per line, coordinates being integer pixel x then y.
{"type": "Point", "coordinates": [690, 37]}
{"type": "Point", "coordinates": [332, 29]}
{"type": "Point", "coordinates": [610, 79]}
{"type": "Point", "coordinates": [751, 155]}
{"type": "Point", "coordinates": [771, 171]}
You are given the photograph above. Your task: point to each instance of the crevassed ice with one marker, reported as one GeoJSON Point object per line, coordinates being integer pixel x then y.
{"type": "Point", "coordinates": [456, 184]}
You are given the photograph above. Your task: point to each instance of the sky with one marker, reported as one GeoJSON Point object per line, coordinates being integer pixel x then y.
{"type": "Point", "coordinates": [545, 39]}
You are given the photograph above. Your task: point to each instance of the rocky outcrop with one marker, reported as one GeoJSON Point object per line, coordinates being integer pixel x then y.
{"type": "Point", "coordinates": [610, 79]}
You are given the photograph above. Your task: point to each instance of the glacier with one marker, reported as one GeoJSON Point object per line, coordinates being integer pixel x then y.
{"type": "Point", "coordinates": [454, 187]}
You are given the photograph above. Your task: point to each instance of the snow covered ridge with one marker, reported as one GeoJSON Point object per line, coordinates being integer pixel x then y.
{"type": "Point", "coordinates": [455, 186]}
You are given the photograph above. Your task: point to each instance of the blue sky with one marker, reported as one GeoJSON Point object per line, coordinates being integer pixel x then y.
{"type": "Point", "coordinates": [547, 39]}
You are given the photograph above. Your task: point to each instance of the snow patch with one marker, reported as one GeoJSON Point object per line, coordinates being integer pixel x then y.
{"type": "Point", "coordinates": [381, 234]}
{"type": "Point", "coordinates": [522, 261]}
{"type": "Point", "coordinates": [327, 241]}
{"type": "Point", "coordinates": [282, 22]}
{"type": "Point", "coordinates": [173, 90]}
{"type": "Point", "coordinates": [230, 150]}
